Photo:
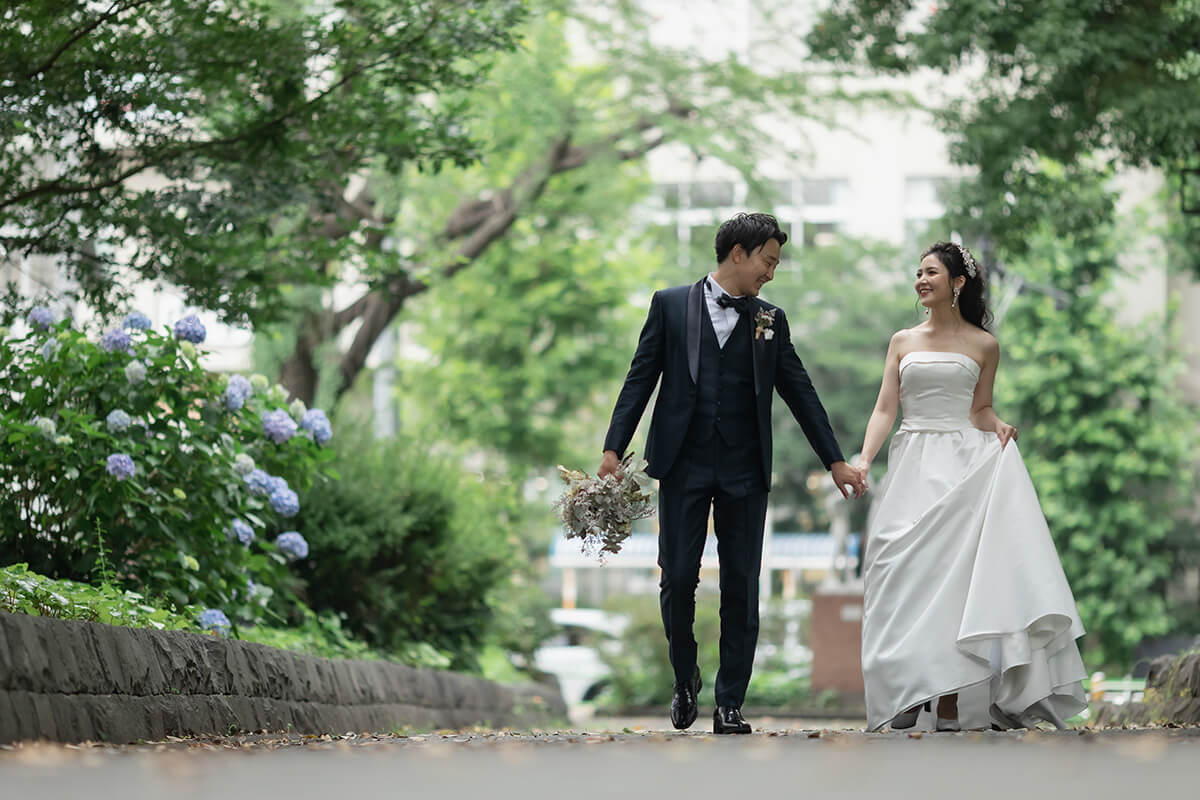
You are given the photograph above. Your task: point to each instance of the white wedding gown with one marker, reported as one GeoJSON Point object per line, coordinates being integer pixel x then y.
{"type": "Point", "coordinates": [964, 589]}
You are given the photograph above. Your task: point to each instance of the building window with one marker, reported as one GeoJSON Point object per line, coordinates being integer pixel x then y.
{"type": "Point", "coordinates": [820, 234]}
{"type": "Point", "coordinates": [826, 191]}
{"type": "Point", "coordinates": [710, 194]}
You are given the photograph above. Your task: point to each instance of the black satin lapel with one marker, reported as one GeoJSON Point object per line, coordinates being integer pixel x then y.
{"type": "Point", "coordinates": [695, 310]}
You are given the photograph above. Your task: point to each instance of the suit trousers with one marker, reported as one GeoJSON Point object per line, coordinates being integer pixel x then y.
{"type": "Point", "coordinates": [730, 482]}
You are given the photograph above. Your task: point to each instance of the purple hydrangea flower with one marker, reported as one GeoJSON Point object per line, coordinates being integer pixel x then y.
{"type": "Point", "coordinates": [120, 466]}
{"type": "Point", "coordinates": [259, 481]}
{"type": "Point", "coordinates": [117, 421]}
{"type": "Point", "coordinates": [40, 317]}
{"type": "Point", "coordinates": [214, 620]}
{"type": "Point", "coordinates": [285, 502]}
{"type": "Point", "coordinates": [190, 329]}
{"type": "Point", "coordinates": [116, 339]}
{"type": "Point", "coordinates": [136, 321]}
{"type": "Point", "coordinates": [316, 423]}
{"type": "Point", "coordinates": [278, 426]}
{"type": "Point", "coordinates": [236, 392]}
{"type": "Point", "coordinates": [242, 532]}
{"type": "Point", "coordinates": [292, 545]}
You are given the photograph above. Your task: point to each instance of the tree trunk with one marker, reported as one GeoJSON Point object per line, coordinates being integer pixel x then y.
{"type": "Point", "coordinates": [299, 373]}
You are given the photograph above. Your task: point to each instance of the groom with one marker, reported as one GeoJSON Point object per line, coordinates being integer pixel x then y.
{"type": "Point", "coordinates": [720, 352]}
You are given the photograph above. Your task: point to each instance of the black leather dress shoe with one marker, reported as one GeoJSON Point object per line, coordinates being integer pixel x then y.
{"type": "Point", "coordinates": [684, 704]}
{"type": "Point", "coordinates": [728, 719]}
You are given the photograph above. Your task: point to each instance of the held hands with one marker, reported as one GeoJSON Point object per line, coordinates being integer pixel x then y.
{"type": "Point", "coordinates": [845, 476]}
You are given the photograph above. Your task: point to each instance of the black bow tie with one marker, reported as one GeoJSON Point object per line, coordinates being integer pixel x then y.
{"type": "Point", "coordinates": [740, 304]}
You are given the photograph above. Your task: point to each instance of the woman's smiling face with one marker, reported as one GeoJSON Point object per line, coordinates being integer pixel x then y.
{"type": "Point", "coordinates": [933, 282]}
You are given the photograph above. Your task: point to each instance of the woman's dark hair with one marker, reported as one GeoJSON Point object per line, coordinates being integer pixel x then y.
{"type": "Point", "coordinates": [751, 231]}
{"type": "Point", "coordinates": [972, 300]}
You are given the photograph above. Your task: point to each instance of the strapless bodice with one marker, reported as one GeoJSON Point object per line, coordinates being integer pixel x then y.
{"type": "Point", "coordinates": [937, 390]}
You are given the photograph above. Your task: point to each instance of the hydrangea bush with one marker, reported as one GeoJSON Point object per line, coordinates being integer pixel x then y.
{"type": "Point", "coordinates": [121, 453]}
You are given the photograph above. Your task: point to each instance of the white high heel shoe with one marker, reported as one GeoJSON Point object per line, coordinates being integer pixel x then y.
{"type": "Point", "coordinates": [947, 725]}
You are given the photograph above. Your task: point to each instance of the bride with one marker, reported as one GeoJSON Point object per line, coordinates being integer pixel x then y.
{"type": "Point", "coordinates": [966, 603]}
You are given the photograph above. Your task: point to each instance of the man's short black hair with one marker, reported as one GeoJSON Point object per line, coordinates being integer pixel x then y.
{"type": "Point", "coordinates": [751, 231]}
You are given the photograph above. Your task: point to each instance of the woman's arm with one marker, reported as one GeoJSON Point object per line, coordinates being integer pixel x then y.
{"type": "Point", "coordinates": [983, 416]}
{"type": "Point", "coordinates": [880, 423]}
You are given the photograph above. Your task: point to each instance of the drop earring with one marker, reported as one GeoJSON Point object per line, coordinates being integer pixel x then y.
{"type": "Point", "coordinates": [954, 302]}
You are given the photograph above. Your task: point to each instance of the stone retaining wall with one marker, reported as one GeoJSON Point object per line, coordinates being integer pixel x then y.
{"type": "Point", "coordinates": [1172, 696]}
{"type": "Point", "coordinates": [72, 681]}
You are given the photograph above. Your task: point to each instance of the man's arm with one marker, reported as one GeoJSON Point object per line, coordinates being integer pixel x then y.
{"type": "Point", "coordinates": [796, 389]}
{"type": "Point", "coordinates": [640, 381]}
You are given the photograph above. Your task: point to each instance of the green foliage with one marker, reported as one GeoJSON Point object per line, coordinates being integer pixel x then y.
{"type": "Point", "coordinates": [641, 669]}
{"type": "Point", "coordinates": [163, 532]}
{"type": "Point", "coordinates": [1060, 80]}
{"type": "Point", "coordinates": [1107, 439]}
{"type": "Point", "coordinates": [245, 119]}
{"type": "Point", "coordinates": [408, 549]}
{"type": "Point", "coordinates": [323, 635]}
{"type": "Point", "coordinates": [25, 592]}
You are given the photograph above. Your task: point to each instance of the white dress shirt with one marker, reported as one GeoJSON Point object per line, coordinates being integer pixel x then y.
{"type": "Point", "coordinates": [724, 320]}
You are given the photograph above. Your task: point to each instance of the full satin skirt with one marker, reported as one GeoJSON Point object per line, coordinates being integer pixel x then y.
{"type": "Point", "coordinates": [964, 589]}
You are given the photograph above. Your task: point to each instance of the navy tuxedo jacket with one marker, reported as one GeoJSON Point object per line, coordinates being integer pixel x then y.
{"type": "Point", "coordinates": [669, 347]}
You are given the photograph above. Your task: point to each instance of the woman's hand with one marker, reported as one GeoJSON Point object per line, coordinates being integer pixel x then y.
{"type": "Point", "coordinates": [864, 471]}
{"type": "Point", "coordinates": [1004, 432]}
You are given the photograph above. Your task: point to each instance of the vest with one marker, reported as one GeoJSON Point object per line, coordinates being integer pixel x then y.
{"type": "Point", "coordinates": [725, 400]}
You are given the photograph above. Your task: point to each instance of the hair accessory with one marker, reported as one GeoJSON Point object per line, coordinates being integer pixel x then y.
{"type": "Point", "coordinates": [968, 260]}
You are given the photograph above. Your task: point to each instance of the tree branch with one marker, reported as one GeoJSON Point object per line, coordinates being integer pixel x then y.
{"type": "Point", "coordinates": [482, 222]}
{"type": "Point", "coordinates": [170, 153]}
{"type": "Point", "coordinates": [114, 10]}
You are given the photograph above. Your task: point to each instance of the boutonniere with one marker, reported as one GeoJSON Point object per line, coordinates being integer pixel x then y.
{"type": "Point", "coordinates": [764, 324]}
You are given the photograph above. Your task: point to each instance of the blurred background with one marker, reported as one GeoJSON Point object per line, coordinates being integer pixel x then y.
{"type": "Point", "coordinates": [443, 221]}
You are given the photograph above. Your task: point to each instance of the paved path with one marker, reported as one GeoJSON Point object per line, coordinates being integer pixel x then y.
{"type": "Point", "coordinates": [620, 762]}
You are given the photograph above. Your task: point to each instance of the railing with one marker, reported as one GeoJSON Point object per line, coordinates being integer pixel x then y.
{"type": "Point", "coordinates": [1118, 691]}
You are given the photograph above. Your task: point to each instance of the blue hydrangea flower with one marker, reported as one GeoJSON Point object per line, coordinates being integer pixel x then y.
{"type": "Point", "coordinates": [117, 421]}
{"type": "Point", "coordinates": [214, 620]}
{"type": "Point", "coordinates": [120, 466]}
{"type": "Point", "coordinates": [242, 532]}
{"type": "Point", "coordinates": [236, 392]}
{"type": "Point", "coordinates": [136, 321]}
{"type": "Point", "coordinates": [292, 545]}
{"type": "Point", "coordinates": [278, 426]}
{"type": "Point", "coordinates": [116, 339]}
{"type": "Point", "coordinates": [285, 502]}
{"type": "Point", "coordinates": [190, 329]}
{"type": "Point", "coordinates": [316, 423]}
{"type": "Point", "coordinates": [275, 483]}
{"type": "Point", "coordinates": [40, 317]}
{"type": "Point", "coordinates": [258, 481]}
{"type": "Point", "coordinates": [243, 464]}
{"type": "Point", "coordinates": [135, 372]}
